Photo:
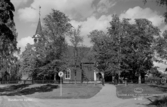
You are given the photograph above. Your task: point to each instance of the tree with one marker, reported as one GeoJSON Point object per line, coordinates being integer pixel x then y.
{"type": "Point", "coordinates": [126, 47]}
{"type": "Point", "coordinates": [116, 33]}
{"type": "Point", "coordinates": [155, 72]}
{"type": "Point", "coordinates": [161, 46]}
{"type": "Point", "coordinates": [107, 47]}
{"type": "Point", "coordinates": [142, 41]}
{"type": "Point", "coordinates": [51, 48]}
{"type": "Point", "coordinates": [28, 61]}
{"type": "Point", "coordinates": [76, 39]}
{"type": "Point", "coordinates": [8, 35]}
{"type": "Point", "coordinates": [99, 39]}
{"type": "Point", "coordinates": [14, 70]}
{"type": "Point", "coordinates": [48, 55]}
{"type": "Point", "coordinates": [57, 27]}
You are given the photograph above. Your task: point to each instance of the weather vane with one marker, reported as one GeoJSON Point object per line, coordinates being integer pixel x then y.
{"type": "Point", "coordinates": [36, 9]}
{"type": "Point", "coordinates": [39, 11]}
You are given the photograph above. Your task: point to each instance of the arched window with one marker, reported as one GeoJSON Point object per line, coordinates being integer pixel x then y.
{"type": "Point", "coordinates": [68, 74]}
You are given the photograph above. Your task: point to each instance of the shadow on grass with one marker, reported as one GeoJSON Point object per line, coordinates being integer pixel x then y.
{"type": "Point", "coordinates": [13, 87]}
{"type": "Point", "coordinates": [159, 103]}
{"type": "Point", "coordinates": [160, 87]}
{"type": "Point", "coordinates": [27, 91]}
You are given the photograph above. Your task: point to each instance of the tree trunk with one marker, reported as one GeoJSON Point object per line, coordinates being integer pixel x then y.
{"type": "Point", "coordinates": [55, 77]}
{"type": "Point", "coordinates": [81, 73]}
{"type": "Point", "coordinates": [75, 75]}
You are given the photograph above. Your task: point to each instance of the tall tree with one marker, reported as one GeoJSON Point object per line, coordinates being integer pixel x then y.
{"type": "Point", "coordinates": [76, 41]}
{"type": "Point", "coordinates": [141, 44]}
{"type": "Point", "coordinates": [126, 47]}
{"type": "Point", "coordinates": [56, 28]}
{"type": "Point", "coordinates": [14, 70]}
{"type": "Point", "coordinates": [161, 47]}
{"type": "Point", "coordinates": [47, 56]}
{"type": "Point", "coordinates": [28, 60]}
{"type": "Point", "coordinates": [100, 39]}
{"type": "Point", "coordinates": [8, 35]}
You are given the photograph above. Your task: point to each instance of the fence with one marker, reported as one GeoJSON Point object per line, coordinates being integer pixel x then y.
{"type": "Point", "coordinates": [157, 81]}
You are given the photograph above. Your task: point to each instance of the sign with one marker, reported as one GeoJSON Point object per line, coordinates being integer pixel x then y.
{"type": "Point", "coordinates": [61, 74]}
{"type": "Point", "coordinates": [163, 80]}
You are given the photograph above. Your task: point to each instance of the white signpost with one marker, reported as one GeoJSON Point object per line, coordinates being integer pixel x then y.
{"type": "Point", "coordinates": [61, 76]}
{"type": "Point", "coordinates": [163, 80]}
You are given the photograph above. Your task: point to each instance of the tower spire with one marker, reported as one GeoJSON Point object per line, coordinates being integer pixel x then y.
{"type": "Point", "coordinates": [38, 32]}
{"type": "Point", "coordinates": [39, 12]}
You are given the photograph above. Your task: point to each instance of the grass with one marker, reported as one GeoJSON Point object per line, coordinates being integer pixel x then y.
{"type": "Point", "coordinates": [128, 91]}
{"type": "Point", "coordinates": [70, 91]}
{"type": "Point", "coordinates": [158, 101]}
{"type": "Point", "coordinates": [52, 91]}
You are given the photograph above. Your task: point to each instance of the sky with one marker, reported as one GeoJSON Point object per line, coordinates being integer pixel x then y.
{"type": "Point", "coordinates": [90, 14]}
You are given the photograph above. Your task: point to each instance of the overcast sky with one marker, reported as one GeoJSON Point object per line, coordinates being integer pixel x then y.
{"type": "Point", "coordinates": [91, 14]}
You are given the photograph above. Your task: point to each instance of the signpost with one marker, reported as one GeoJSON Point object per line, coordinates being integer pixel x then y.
{"type": "Point", "coordinates": [163, 80]}
{"type": "Point", "coordinates": [61, 76]}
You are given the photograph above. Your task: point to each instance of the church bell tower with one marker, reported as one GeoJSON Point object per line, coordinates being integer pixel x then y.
{"type": "Point", "coordinates": [38, 34]}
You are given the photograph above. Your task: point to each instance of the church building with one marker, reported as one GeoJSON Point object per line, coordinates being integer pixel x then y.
{"type": "Point", "coordinates": [85, 71]}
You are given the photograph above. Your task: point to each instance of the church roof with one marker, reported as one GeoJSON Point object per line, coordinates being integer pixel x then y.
{"type": "Point", "coordinates": [39, 29]}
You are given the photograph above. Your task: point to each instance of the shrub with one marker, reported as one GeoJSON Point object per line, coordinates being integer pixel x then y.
{"type": "Point", "coordinates": [154, 80]}
{"type": "Point", "coordinates": [160, 102]}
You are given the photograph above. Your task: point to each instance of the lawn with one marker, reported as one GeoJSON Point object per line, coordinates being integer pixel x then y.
{"type": "Point", "coordinates": [52, 91]}
{"type": "Point", "coordinates": [128, 91]}
{"type": "Point", "coordinates": [75, 91]}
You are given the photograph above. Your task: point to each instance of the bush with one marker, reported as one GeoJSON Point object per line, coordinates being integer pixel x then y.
{"type": "Point", "coordinates": [160, 102]}
{"type": "Point", "coordinates": [154, 80]}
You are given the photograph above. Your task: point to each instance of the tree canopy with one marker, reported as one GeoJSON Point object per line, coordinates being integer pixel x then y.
{"type": "Point", "coordinates": [126, 46]}
{"type": "Point", "coordinates": [8, 35]}
{"type": "Point", "coordinates": [48, 55]}
{"type": "Point", "coordinates": [76, 41]}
